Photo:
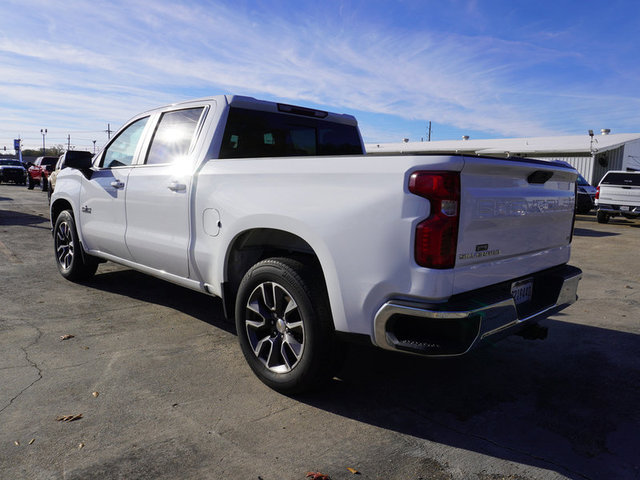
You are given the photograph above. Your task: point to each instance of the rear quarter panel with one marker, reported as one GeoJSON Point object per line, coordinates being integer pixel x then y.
{"type": "Point", "coordinates": [355, 212]}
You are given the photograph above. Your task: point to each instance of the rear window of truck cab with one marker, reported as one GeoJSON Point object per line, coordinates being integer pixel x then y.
{"type": "Point", "coordinates": [621, 178]}
{"type": "Point", "coordinates": [254, 133]}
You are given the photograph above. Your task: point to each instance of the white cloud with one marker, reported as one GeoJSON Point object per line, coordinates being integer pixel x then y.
{"type": "Point", "coordinates": [96, 63]}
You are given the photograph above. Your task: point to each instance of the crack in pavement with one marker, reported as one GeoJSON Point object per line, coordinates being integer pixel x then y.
{"type": "Point", "coordinates": [31, 362]}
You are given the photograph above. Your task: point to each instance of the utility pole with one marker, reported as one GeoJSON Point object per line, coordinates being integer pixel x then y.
{"type": "Point", "coordinates": [108, 130]}
{"type": "Point", "coordinates": [94, 147]}
{"type": "Point", "coordinates": [43, 132]}
{"type": "Point", "coordinates": [429, 135]}
{"type": "Point", "coordinates": [68, 142]}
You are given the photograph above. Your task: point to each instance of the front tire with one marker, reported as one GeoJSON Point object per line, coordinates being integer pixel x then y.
{"type": "Point", "coordinates": [284, 325]}
{"type": "Point", "coordinates": [603, 217]}
{"type": "Point", "coordinates": [72, 263]}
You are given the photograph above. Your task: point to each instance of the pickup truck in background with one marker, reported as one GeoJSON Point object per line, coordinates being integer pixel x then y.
{"type": "Point", "coordinates": [38, 173]}
{"type": "Point", "coordinates": [310, 243]}
{"type": "Point", "coordinates": [12, 171]}
{"type": "Point", "coordinates": [618, 193]}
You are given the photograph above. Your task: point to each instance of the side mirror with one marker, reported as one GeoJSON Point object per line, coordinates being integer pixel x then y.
{"type": "Point", "coordinates": [79, 160]}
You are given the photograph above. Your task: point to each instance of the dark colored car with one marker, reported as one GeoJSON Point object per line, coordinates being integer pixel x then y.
{"type": "Point", "coordinates": [12, 171]}
{"type": "Point", "coordinates": [38, 173]}
{"type": "Point", "coordinates": [586, 196]}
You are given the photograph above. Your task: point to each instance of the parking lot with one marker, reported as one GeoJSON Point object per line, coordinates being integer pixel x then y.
{"type": "Point", "coordinates": [164, 391]}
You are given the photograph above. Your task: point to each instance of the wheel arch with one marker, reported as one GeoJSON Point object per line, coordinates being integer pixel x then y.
{"type": "Point", "coordinates": [57, 207]}
{"type": "Point", "coordinates": [254, 245]}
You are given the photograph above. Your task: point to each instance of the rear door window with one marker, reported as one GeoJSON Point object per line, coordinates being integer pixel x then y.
{"type": "Point", "coordinates": [173, 136]}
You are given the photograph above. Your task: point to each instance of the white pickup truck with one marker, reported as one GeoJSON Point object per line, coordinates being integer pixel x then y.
{"type": "Point", "coordinates": [618, 194]}
{"type": "Point", "coordinates": [309, 242]}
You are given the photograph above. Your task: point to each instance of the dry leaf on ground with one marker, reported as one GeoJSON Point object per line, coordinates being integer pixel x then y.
{"type": "Point", "coordinates": [353, 470]}
{"type": "Point", "coordinates": [69, 418]}
{"type": "Point", "coordinates": [66, 337]}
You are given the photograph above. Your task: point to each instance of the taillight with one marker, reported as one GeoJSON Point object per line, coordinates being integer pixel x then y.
{"type": "Point", "coordinates": [437, 236]}
{"type": "Point", "coordinates": [597, 192]}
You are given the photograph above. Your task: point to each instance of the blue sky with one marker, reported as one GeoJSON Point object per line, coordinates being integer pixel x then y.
{"type": "Point", "coordinates": [481, 68]}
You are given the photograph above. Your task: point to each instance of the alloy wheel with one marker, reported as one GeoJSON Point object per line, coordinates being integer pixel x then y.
{"type": "Point", "coordinates": [64, 245]}
{"type": "Point", "coordinates": [274, 327]}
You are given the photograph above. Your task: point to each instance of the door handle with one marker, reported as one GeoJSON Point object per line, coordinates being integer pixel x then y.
{"type": "Point", "coordinates": [177, 187]}
{"type": "Point", "coordinates": [117, 184]}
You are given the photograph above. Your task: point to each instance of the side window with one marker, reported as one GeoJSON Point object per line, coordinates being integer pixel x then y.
{"type": "Point", "coordinates": [121, 151]}
{"type": "Point", "coordinates": [173, 135]}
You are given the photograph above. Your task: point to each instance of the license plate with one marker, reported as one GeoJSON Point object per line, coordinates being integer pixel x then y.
{"type": "Point", "coordinates": [624, 208]}
{"type": "Point", "coordinates": [522, 291]}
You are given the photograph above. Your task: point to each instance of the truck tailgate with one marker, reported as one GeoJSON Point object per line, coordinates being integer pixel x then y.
{"type": "Point", "coordinates": [619, 195]}
{"type": "Point", "coordinates": [513, 209]}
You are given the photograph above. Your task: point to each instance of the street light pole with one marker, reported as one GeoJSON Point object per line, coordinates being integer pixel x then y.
{"type": "Point", "coordinates": [44, 133]}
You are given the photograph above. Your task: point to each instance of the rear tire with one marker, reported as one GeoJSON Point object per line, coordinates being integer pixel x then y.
{"type": "Point", "coordinates": [603, 217]}
{"type": "Point", "coordinates": [30, 184]}
{"type": "Point", "coordinates": [285, 327]}
{"type": "Point", "coordinates": [43, 184]}
{"type": "Point", "coordinates": [73, 263]}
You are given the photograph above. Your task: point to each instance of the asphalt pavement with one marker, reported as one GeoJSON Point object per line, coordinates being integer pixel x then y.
{"type": "Point", "coordinates": [163, 391]}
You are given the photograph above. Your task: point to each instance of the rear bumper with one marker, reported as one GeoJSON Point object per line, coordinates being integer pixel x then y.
{"type": "Point", "coordinates": [468, 320]}
{"type": "Point", "coordinates": [619, 209]}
